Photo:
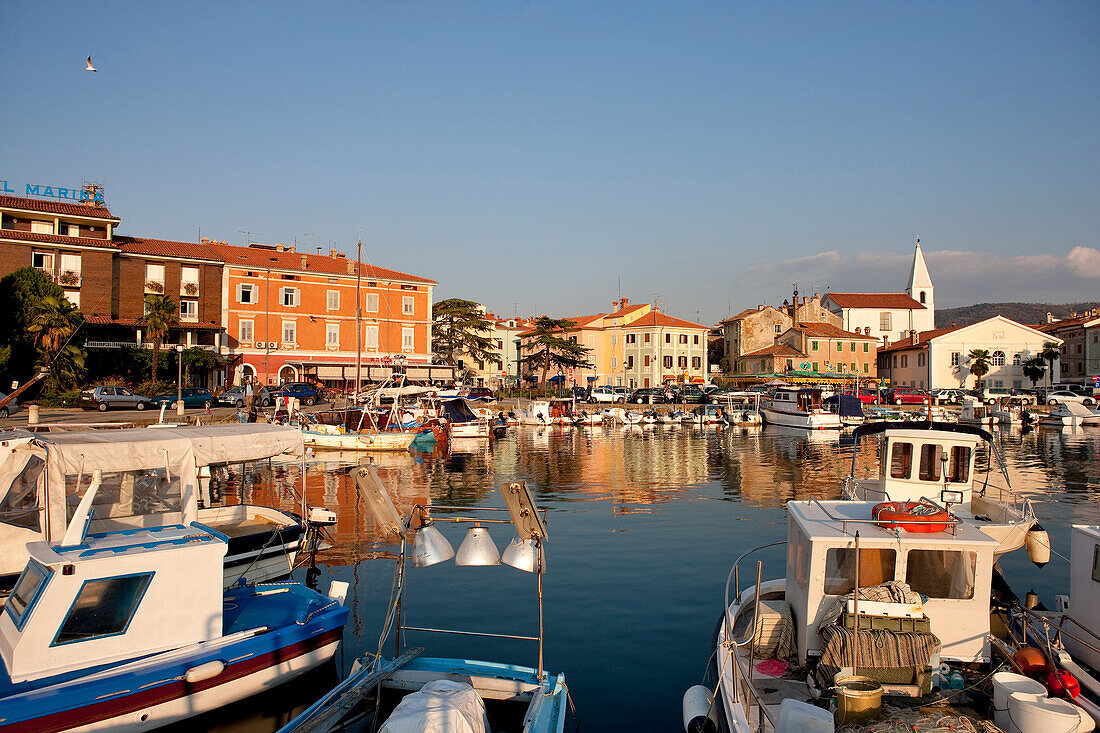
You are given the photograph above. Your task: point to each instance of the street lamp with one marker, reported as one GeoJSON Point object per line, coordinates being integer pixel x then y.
{"type": "Point", "coordinates": [179, 379]}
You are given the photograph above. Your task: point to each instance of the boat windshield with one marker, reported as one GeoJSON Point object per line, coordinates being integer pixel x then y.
{"type": "Point", "coordinates": [127, 494]}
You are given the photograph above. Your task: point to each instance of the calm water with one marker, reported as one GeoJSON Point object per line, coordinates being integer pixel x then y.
{"type": "Point", "coordinates": [644, 525]}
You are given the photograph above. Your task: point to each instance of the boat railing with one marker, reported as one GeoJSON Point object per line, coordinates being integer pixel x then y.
{"type": "Point", "coordinates": [742, 680]}
{"type": "Point", "coordinates": [1060, 629]}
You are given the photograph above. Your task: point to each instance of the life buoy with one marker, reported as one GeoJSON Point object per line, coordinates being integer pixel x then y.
{"type": "Point", "coordinates": [890, 512]}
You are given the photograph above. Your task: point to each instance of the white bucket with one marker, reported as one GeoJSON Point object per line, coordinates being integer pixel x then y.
{"type": "Point", "coordinates": [1029, 713]}
{"type": "Point", "coordinates": [800, 717]}
{"type": "Point", "coordinates": [1006, 683]}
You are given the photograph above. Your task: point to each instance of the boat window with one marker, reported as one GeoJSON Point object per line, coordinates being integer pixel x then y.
{"type": "Point", "coordinates": [27, 589]}
{"type": "Point", "coordinates": [930, 462]}
{"type": "Point", "coordinates": [103, 607]}
{"type": "Point", "coordinates": [958, 470]}
{"type": "Point", "coordinates": [901, 460]}
{"type": "Point", "coordinates": [876, 566]}
{"type": "Point", "coordinates": [19, 507]}
{"type": "Point", "coordinates": [127, 494]}
{"type": "Point", "coordinates": [798, 556]}
{"type": "Point", "coordinates": [941, 573]}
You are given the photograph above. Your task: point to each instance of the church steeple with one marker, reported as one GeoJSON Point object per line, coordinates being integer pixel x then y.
{"type": "Point", "coordinates": [920, 282]}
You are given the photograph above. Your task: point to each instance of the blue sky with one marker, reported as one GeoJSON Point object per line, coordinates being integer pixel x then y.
{"type": "Point", "coordinates": [533, 156]}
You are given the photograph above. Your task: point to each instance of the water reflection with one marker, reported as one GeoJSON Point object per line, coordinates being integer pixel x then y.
{"type": "Point", "coordinates": [644, 524]}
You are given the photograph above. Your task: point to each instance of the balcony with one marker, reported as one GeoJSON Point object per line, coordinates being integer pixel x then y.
{"type": "Point", "coordinates": [144, 345]}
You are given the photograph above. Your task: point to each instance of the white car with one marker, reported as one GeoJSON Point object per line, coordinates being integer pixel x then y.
{"type": "Point", "coordinates": [1064, 395]}
{"type": "Point", "coordinates": [607, 394]}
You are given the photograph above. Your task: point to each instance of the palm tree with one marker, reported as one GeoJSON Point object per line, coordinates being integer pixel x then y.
{"type": "Point", "coordinates": [53, 323]}
{"type": "Point", "coordinates": [1035, 368]}
{"type": "Point", "coordinates": [979, 365]}
{"type": "Point", "coordinates": [1051, 352]}
{"type": "Point", "coordinates": [459, 326]}
{"type": "Point", "coordinates": [161, 314]}
{"type": "Point", "coordinates": [553, 347]}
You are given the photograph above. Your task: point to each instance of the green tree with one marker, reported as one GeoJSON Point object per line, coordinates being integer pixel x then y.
{"type": "Point", "coordinates": [1051, 352]}
{"type": "Point", "coordinates": [54, 324]}
{"type": "Point", "coordinates": [549, 345]}
{"type": "Point", "coordinates": [161, 315]}
{"type": "Point", "coordinates": [979, 365]}
{"type": "Point", "coordinates": [20, 291]}
{"type": "Point", "coordinates": [459, 327]}
{"type": "Point", "coordinates": [1035, 368]}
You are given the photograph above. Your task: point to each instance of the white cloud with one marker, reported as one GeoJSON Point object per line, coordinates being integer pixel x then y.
{"type": "Point", "coordinates": [1085, 261]}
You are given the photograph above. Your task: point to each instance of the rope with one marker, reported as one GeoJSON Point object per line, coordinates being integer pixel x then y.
{"type": "Point", "coordinates": [913, 720]}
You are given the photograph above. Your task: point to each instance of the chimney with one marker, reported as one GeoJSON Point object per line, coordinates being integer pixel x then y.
{"type": "Point", "coordinates": [280, 247]}
{"type": "Point", "coordinates": [207, 240]}
{"type": "Point", "coordinates": [351, 267]}
{"type": "Point", "coordinates": [760, 307]}
{"type": "Point", "coordinates": [332, 252]}
{"type": "Point", "coordinates": [954, 325]}
{"type": "Point", "coordinates": [913, 338]}
{"type": "Point", "coordinates": [290, 248]}
{"type": "Point", "coordinates": [885, 340]}
{"type": "Point", "coordinates": [303, 261]}
{"type": "Point", "coordinates": [614, 306]}
{"type": "Point", "coordinates": [1050, 318]}
{"type": "Point", "coordinates": [624, 303]}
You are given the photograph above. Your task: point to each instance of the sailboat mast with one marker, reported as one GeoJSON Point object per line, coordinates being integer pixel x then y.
{"type": "Point", "coordinates": [358, 313]}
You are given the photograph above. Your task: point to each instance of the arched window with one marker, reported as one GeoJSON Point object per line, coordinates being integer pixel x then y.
{"type": "Point", "coordinates": [922, 297]}
{"type": "Point", "coordinates": [998, 358]}
{"type": "Point", "coordinates": [1016, 360]}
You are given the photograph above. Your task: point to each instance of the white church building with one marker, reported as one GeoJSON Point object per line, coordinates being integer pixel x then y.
{"type": "Point", "coordinates": [889, 315]}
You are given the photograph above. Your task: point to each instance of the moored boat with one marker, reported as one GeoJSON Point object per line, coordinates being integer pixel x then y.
{"type": "Point", "coordinates": [796, 407]}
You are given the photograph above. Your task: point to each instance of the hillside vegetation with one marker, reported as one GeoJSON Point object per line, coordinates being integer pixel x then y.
{"type": "Point", "coordinates": [1026, 313]}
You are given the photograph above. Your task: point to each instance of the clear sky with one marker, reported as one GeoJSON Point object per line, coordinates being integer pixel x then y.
{"type": "Point", "coordinates": [534, 155]}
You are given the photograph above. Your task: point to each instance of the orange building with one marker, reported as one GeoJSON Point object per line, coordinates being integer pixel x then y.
{"type": "Point", "coordinates": [291, 316]}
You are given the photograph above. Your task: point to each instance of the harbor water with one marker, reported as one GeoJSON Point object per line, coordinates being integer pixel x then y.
{"type": "Point", "coordinates": [644, 525]}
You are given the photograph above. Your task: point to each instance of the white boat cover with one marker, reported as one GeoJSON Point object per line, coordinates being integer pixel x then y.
{"type": "Point", "coordinates": [441, 706]}
{"type": "Point", "coordinates": [182, 450]}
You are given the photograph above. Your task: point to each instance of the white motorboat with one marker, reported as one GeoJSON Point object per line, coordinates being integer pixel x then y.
{"type": "Point", "coordinates": [936, 414]}
{"type": "Point", "coordinates": [928, 461]}
{"type": "Point", "coordinates": [1070, 415]}
{"type": "Point", "coordinates": [785, 644]}
{"type": "Point", "coordinates": [741, 408]}
{"type": "Point", "coordinates": [623, 417]}
{"type": "Point", "coordinates": [590, 419]}
{"type": "Point", "coordinates": [464, 422]}
{"type": "Point", "coordinates": [151, 478]}
{"type": "Point", "coordinates": [972, 412]}
{"type": "Point", "coordinates": [796, 407]}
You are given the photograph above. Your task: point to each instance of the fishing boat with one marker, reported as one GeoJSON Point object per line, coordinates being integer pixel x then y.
{"type": "Point", "coordinates": [411, 692]}
{"type": "Point", "coordinates": [622, 416]}
{"type": "Point", "coordinates": [922, 462]}
{"type": "Point", "coordinates": [463, 422]}
{"type": "Point", "coordinates": [563, 411]}
{"type": "Point", "coordinates": [866, 607]}
{"type": "Point", "coordinates": [797, 407]}
{"type": "Point", "coordinates": [741, 408]}
{"type": "Point", "coordinates": [708, 415]}
{"type": "Point", "coordinates": [537, 412]}
{"type": "Point", "coordinates": [150, 478]}
{"type": "Point", "coordinates": [131, 630]}
{"type": "Point", "coordinates": [590, 419]}
{"type": "Point", "coordinates": [354, 428]}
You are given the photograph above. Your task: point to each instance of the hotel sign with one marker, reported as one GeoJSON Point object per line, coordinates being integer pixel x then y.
{"type": "Point", "coordinates": [57, 192]}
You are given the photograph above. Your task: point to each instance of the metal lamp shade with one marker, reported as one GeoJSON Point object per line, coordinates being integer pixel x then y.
{"type": "Point", "coordinates": [430, 547]}
{"type": "Point", "coordinates": [522, 555]}
{"type": "Point", "coordinates": [477, 549]}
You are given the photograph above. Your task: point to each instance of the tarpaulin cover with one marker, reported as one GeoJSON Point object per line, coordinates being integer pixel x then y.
{"type": "Point", "coordinates": [442, 706]}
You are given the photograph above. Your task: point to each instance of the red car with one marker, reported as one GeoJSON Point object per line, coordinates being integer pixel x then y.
{"type": "Point", "coordinates": [908, 396]}
{"type": "Point", "coordinates": [869, 396]}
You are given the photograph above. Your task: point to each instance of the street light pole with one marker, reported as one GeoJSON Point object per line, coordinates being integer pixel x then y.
{"type": "Point", "coordinates": [179, 379]}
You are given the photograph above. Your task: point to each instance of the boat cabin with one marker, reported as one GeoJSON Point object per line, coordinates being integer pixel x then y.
{"type": "Point", "coordinates": [917, 463]}
{"type": "Point", "coordinates": [804, 399]}
{"type": "Point", "coordinates": [1084, 595]}
{"type": "Point", "coordinates": [952, 569]}
{"type": "Point", "coordinates": [111, 597]}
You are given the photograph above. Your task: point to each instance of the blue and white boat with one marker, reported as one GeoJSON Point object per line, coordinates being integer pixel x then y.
{"type": "Point", "coordinates": [131, 630]}
{"type": "Point", "coordinates": [411, 693]}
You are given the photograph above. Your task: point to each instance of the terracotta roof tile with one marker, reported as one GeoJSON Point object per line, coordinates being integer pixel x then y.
{"type": "Point", "coordinates": [167, 248]}
{"type": "Point", "coordinates": [820, 328]}
{"type": "Point", "coordinates": [55, 239]}
{"type": "Point", "coordinates": [133, 322]}
{"type": "Point", "coordinates": [775, 350]}
{"type": "Point", "coordinates": [656, 318]}
{"type": "Point", "coordinates": [747, 312]}
{"type": "Point", "coordinates": [623, 311]}
{"type": "Point", "coordinates": [260, 258]}
{"type": "Point", "coordinates": [874, 300]}
{"type": "Point", "coordinates": [56, 207]}
{"type": "Point", "coordinates": [922, 339]}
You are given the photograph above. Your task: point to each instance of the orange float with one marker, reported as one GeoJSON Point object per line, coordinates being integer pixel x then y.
{"type": "Point", "coordinates": [904, 514]}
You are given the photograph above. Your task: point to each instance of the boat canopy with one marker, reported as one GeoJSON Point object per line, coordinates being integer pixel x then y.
{"type": "Point", "coordinates": [846, 405]}
{"type": "Point", "coordinates": [875, 428]}
{"type": "Point", "coordinates": [146, 472]}
{"type": "Point", "coordinates": [458, 410]}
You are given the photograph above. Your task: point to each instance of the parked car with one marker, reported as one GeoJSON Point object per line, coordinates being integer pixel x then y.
{"type": "Point", "coordinates": [192, 397]}
{"type": "Point", "coordinates": [869, 396]}
{"type": "Point", "coordinates": [9, 409]}
{"type": "Point", "coordinates": [1060, 396]}
{"type": "Point", "coordinates": [686, 393]}
{"type": "Point", "coordinates": [908, 396]}
{"type": "Point", "coordinates": [103, 398]}
{"type": "Point", "coordinates": [305, 392]}
{"type": "Point", "coordinates": [479, 393]}
{"type": "Point", "coordinates": [652, 395]}
{"type": "Point", "coordinates": [947, 396]}
{"type": "Point", "coordinates": [607, 394]}
{"type": "Point", "coordinates": [993, 394]}
{"type": "Point", "coordinates": [234, 396]}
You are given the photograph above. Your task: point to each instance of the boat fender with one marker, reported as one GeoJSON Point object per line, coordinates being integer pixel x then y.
{"type": "Point", "coordinates": [1037, 542]}
{"type": "Point", "coordinates": [700, 715]}
{"type": "Point", "coordinates": [206, 671]}
{"type": "Point", "coordinates": [1061, 683]}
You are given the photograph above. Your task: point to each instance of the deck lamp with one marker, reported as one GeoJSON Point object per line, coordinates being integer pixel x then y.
{"type": "Point", "coordinates": [477, 549]}
{"type": "Point", "coordinates": [525, 555]}
{"type": "Point", "coordinates": [430, 546]}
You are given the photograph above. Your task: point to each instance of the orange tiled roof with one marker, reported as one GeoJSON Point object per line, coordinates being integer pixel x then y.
{"type": "Point", "coordinates": [656, 318]}
{"type": "Point", "coordinates": [167, 248]}
{"type": "Point", "coordinates": [922, 339]}
{"type": "Point", "coordinates": [820, 328]}
{"type": "Point", "coordinates": [874, 300]}
{"type": "Point", "coordinates": [745, 313]}
{"type": "Point", "coordinates": [775, 350]}
{"type": "Point", "coordinates": [623, 311]}
{"type": "Point", "coordinates": [57, 207]}
{"type": "Point", "coordinates": [99, 320]}
{"type": "Point", "coordinates": [261, 258]}
{"type": "Point", "coordinates": [55, 239]}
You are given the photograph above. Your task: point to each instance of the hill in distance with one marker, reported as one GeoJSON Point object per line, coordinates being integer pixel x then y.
{"type": "Point", "coordinates": [1026, 313]}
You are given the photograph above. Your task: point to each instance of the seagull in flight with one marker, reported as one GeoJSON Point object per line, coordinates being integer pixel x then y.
{"type": "Point", "coordinates": [88, 66]}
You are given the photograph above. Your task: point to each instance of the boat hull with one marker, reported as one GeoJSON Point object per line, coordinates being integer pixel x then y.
{"type": "Point", "coordinates": [805, 420]}
{"type": "Point", "coordinates": [359, 441]}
